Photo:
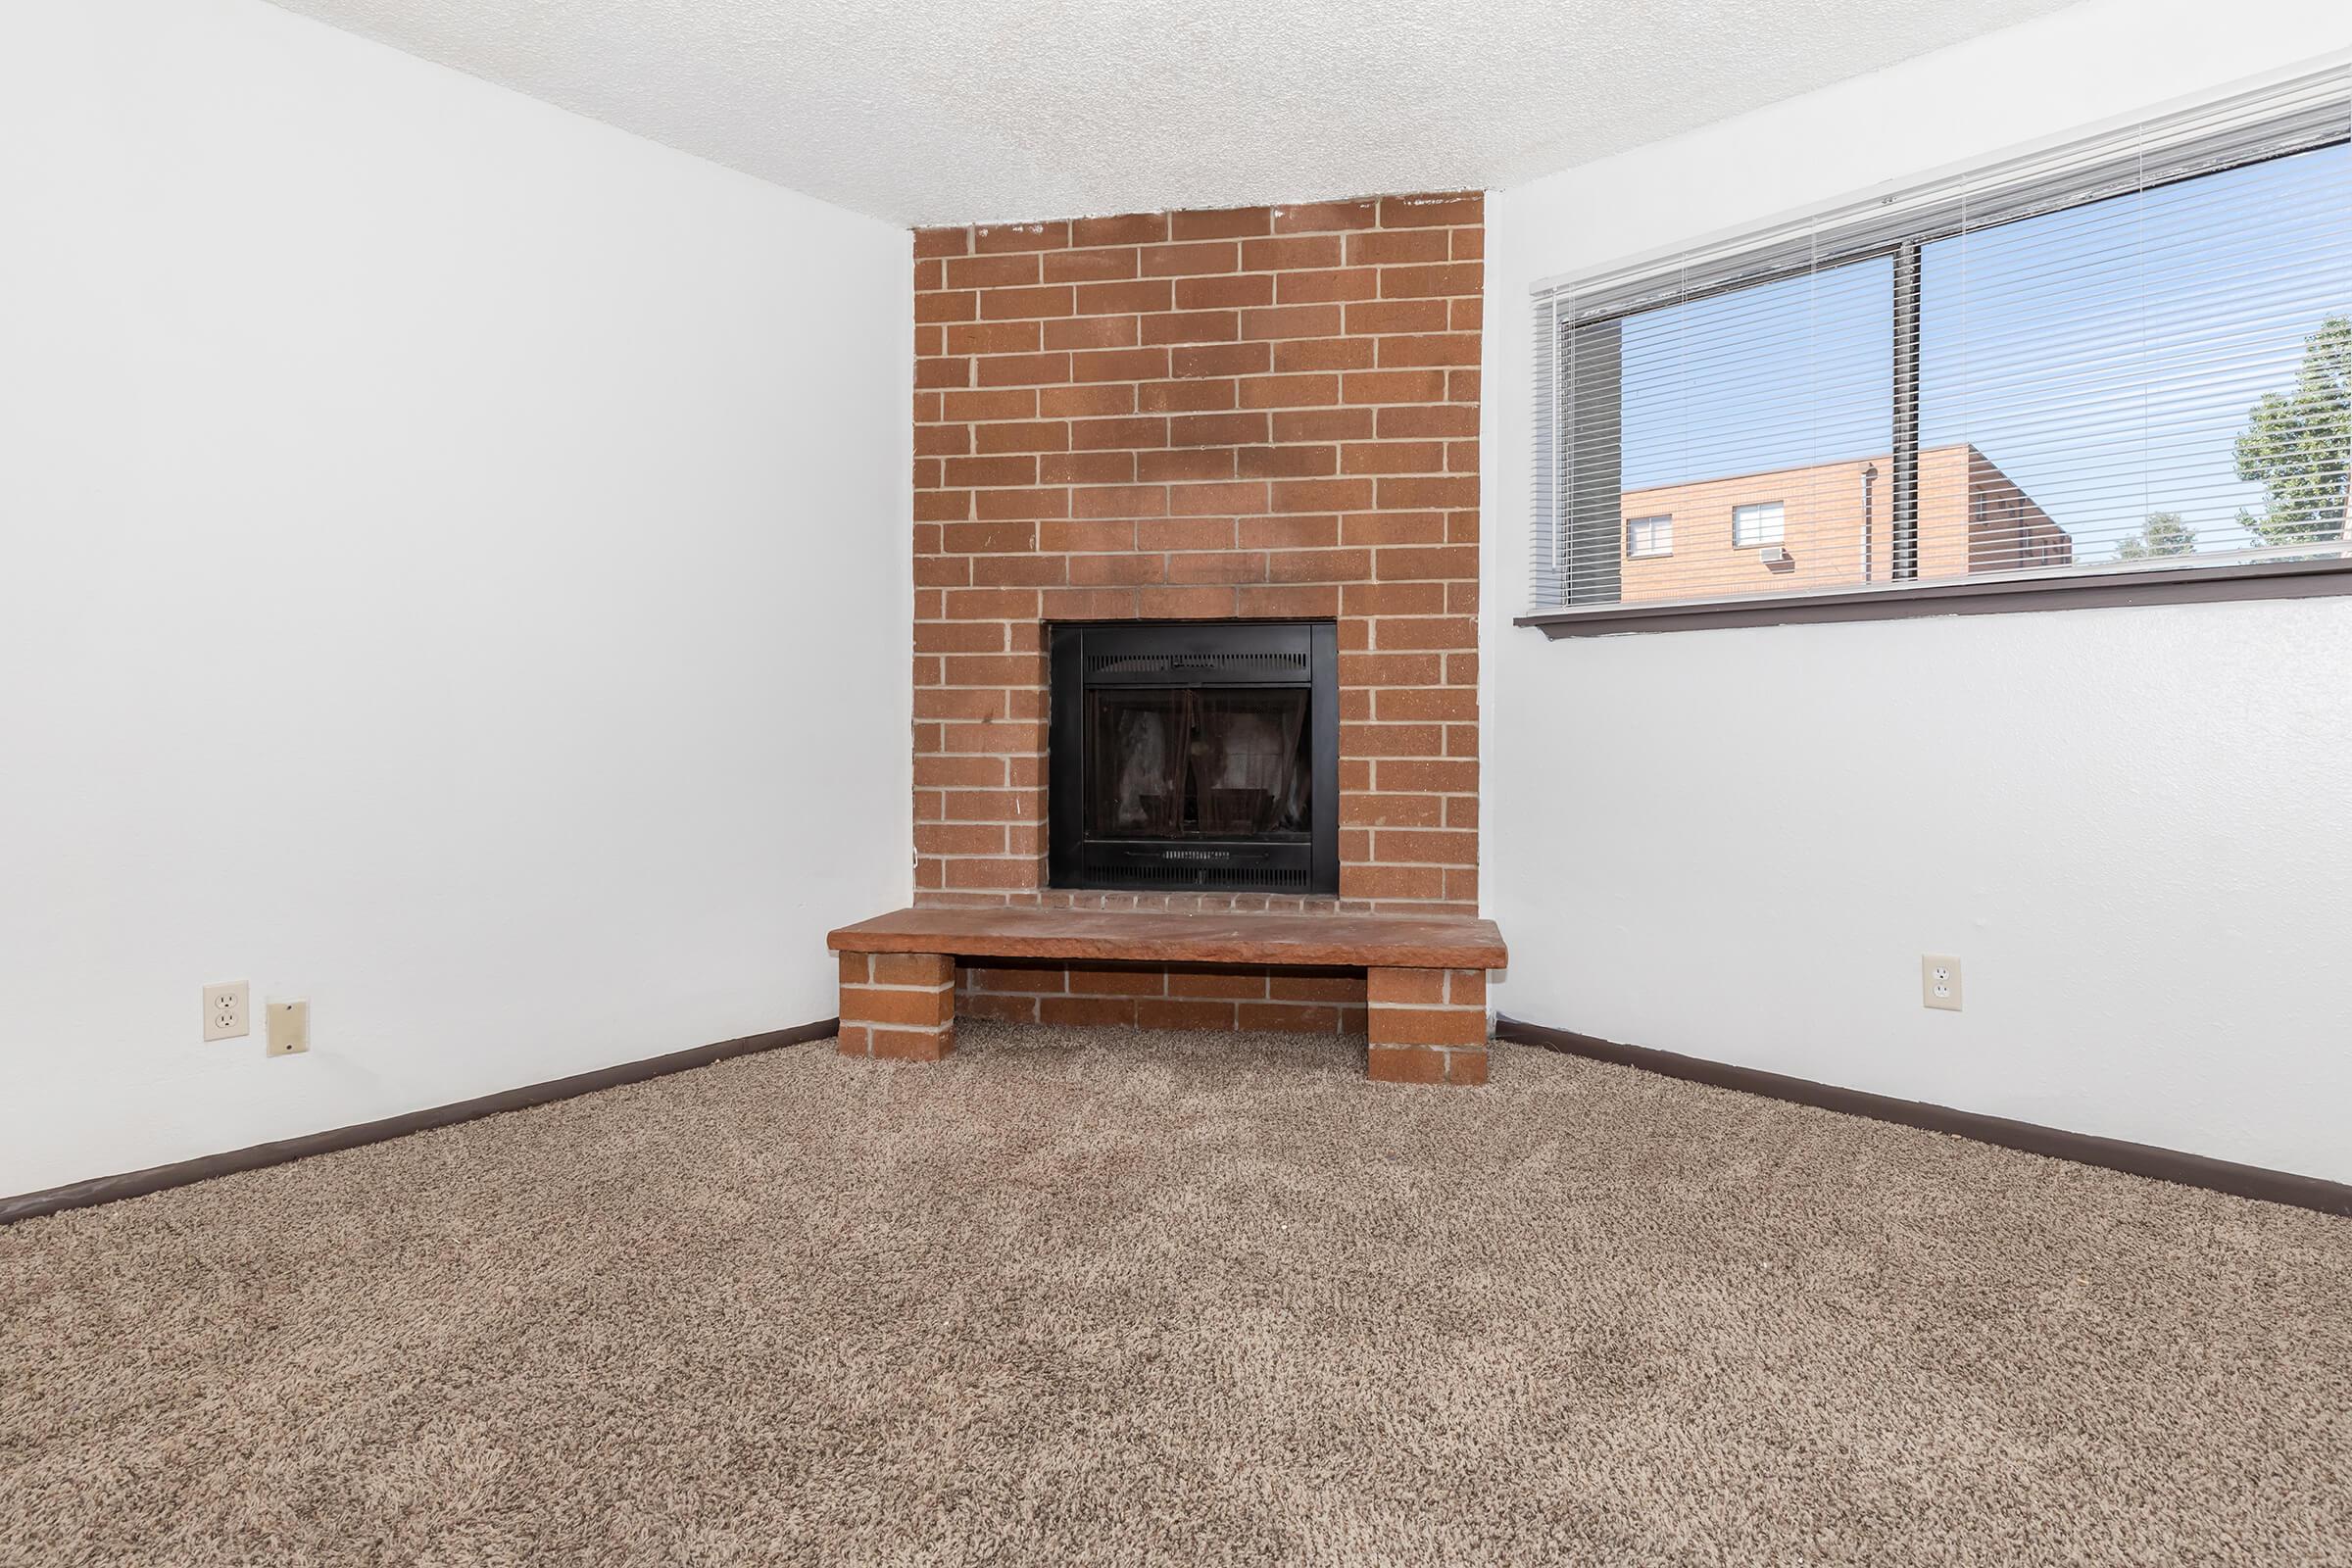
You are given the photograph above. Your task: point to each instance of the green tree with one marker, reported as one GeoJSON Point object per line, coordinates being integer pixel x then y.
{"type": "Point", "coordinates": [2297, 445]}
{"type": "Point", "coordinates": [2163, 534]}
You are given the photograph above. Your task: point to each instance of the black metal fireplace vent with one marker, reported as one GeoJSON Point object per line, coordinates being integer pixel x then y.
{"type": "Point", "coordinates": [1201, 757]}
{"type": "Point", "coordinates": [1104, 667]}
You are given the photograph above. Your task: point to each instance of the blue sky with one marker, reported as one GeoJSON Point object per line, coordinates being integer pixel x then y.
{"type": "Point", "coordinates": [2104, 357]}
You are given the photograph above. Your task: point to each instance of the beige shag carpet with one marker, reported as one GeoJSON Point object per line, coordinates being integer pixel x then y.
{"type": "Point", "coordinates": [1083, 1296]}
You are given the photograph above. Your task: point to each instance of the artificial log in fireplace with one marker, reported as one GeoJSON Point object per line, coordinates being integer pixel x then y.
{"type": "Point", "coordinates": [1202, 757]}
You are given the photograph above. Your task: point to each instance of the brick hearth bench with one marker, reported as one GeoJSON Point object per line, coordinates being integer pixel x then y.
{"type": "Point", "coordinates": [1425, 977]}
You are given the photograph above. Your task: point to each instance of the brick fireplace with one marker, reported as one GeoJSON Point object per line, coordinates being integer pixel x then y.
{"type": "Point", "coordinates": [1262, 413]}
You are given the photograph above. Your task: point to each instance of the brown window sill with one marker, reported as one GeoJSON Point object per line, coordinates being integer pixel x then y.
{"type": "Point", "coordinates": [2176, 585]}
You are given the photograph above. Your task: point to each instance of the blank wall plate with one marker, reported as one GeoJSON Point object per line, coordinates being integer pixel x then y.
{"type": "Point", "coordinates": [1939, 981]}
{"type": "Point", "coordinates": [227, 1010]}
{"type": "Point", "coordinates": [289, 1028]}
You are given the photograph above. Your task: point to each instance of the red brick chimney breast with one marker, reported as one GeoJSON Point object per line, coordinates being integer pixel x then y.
{"type": "Point", "coordinates": [1258, 412]}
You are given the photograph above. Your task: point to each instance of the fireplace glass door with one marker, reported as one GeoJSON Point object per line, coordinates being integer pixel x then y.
{"type": "Point", "coordinates": [1201, 756]}
{"type": "Point", "coordinates": [1190, 764]}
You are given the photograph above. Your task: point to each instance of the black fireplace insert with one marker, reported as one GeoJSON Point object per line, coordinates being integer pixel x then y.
{"type": "Point", "coordinates": [1196, 756]}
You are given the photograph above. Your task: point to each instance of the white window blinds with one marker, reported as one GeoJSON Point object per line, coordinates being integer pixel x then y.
{"type": "Point", "coordinates": [2126, 354]}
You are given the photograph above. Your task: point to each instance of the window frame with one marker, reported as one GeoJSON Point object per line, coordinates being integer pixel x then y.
{"type": "Point", "coordinates": [1779, 510]}
{"type": "Point", "coordinates": [2294, 112]}
{"type": "Point", "coordinates": [1653, 519]}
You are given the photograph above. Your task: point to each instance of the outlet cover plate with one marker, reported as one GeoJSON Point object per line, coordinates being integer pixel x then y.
{"type": "Point", "coordinates": [289, 1028]}
{"type": "Point", "coordinates": [1939, 981]}
{"type": "Point", "coordinates": [227, 1010]}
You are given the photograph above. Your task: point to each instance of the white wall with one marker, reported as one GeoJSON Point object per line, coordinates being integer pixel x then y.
{"type": "Point", "coordinates": [2134, 826]}
{"type": "Point", "coordinates": [453, 567]}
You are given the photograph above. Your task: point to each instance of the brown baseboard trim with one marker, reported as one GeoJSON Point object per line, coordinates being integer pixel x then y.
{"type": "Point", "coordinates": [156, 1178]}
{"type": "Point", "coordinates": [2111, 1154]}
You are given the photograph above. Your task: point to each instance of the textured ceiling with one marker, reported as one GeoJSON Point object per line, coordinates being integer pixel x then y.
{"type": "Point", "coordinates": [958, 111]}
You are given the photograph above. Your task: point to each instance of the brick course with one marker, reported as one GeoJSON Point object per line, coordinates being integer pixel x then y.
{"type": "Point", "coordinates": [1156, 996]}
{"type": "Point", "coordinates": [1262, 412]}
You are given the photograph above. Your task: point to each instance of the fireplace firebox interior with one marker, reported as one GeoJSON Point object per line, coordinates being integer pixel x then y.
{"type": "Point", "coordinates": [1201, 756]}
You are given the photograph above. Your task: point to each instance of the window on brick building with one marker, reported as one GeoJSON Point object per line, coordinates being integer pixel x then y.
{"type": "Point", "coordinates": [1760, 523]}
{"type": "Point", "coordinates": [1649, 536]}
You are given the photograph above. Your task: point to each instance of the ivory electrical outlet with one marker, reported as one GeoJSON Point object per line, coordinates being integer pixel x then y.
{"type": "Point", "coordinates": [1939, 981]}
{"type": "Point", "coordinates": [289, 1028]}
{"type": "Point", "coordinates": [227, 1010]}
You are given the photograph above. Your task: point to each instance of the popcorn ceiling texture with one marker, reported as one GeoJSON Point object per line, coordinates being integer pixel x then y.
{"type": "Point", "coordinates": [1079, 1297]}
{"type": "Point", "coordinates": [987, 110]}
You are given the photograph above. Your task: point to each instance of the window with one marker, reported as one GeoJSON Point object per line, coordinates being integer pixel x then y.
{"type": "Point", "coordinates": [2116, 363]}
{"type": "Point", "coordinates": [1764, 522]}
{"type": "Point", "coordinates": [1649, 536]}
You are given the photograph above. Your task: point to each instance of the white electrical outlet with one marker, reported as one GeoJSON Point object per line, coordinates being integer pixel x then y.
{"type": "Point", "coordinates": [226, 1011]}
{"type": "Point", "coordinates": [1939, 981]}
{"type": "Point", "coordinates": [289, 1028]}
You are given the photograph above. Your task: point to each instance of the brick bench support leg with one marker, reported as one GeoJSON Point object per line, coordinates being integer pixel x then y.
{"type": "Point", "coordinates": [899, 1005]}
{"type": "Point", "coordinates": [1426, 1026]}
